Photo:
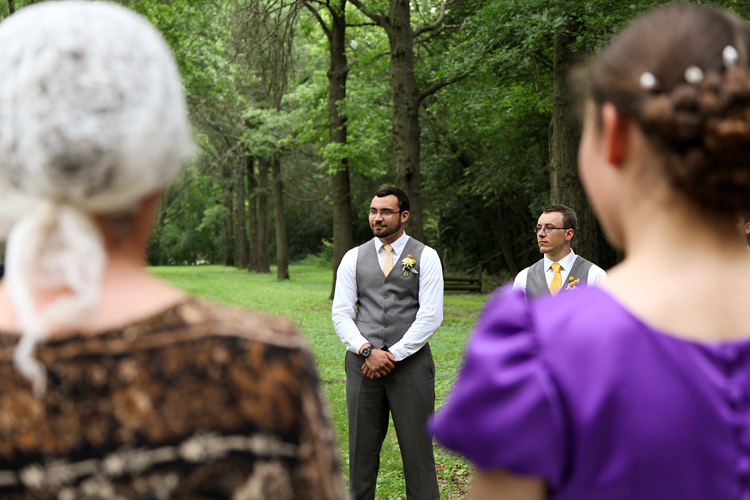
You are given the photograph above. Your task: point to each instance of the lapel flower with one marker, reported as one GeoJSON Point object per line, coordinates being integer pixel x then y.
{"type": "Point", "coordinates": [572, 283]}
{"type": "Point", "coordinates": [407, 266]}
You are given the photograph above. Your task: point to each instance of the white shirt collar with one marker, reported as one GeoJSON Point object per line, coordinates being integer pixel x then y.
{"type": "Point", "coordinates": [397, 245]}
{"type": "Point", "coordinates": [566, 262]}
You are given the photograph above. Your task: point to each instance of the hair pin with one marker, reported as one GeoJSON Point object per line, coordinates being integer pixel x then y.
{"type": "Point", "coordinates": [693, 74]}
{"type": "Point", "coordinates": [648, 81]}
{"type": "Point", "coordinates": [730, 57]}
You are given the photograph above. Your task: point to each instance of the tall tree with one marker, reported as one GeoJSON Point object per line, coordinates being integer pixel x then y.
{"type": "Point", "coordinates": [282, 254]}
{"type": "Point", "coordinates": [565, 133]}
{"type": "Point", "coordinates": [252, 217]}
{"type": "Point", "coordinates": [228, 195]}
{"type": "Point", "coordinates": [263, 35]}
{"type": "Point", "coordinates": [531, 49]}
{"type": "Point", "coordinates": [242, 251]}
{"type": "Point", "coordinates": [338, 69]}
{"type": "Point", "coordinates": [406, 98]}
{"type": "Point", "coordinates": [264, 259]}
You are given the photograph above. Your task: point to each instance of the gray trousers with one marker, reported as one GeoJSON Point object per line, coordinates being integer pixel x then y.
{"type": "Point", "coordinates": [408, 394]}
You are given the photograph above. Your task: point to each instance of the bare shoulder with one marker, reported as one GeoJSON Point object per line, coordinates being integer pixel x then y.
{"type": "Point", "coordinates": [705, 305]}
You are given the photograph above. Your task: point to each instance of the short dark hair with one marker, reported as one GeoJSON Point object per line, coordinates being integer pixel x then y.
{"type": "Point", "coordinates": [570, 219]}
{"type": "Point", "coordinates": [403, 200]}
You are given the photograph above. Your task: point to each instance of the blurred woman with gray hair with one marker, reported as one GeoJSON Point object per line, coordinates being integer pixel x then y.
{"type": "Point", "coordinates": [116, 385]}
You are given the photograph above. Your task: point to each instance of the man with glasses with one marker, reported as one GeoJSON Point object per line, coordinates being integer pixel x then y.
{"type": "Point", "coordinates": [554, 230]}
{"type": "Point", "coordinates": [387, 305]}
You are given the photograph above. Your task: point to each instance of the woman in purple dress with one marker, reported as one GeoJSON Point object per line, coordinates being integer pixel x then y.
{"type": "Point", "coordinates": [640, 389]}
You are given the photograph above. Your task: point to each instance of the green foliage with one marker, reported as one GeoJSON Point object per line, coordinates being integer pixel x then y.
{"type": "Point", "coordinates": [255, 77]}
{"type": "Point", "coordinates": [189, 219]}
{"type": "Point", "coordinates": [17, 4]}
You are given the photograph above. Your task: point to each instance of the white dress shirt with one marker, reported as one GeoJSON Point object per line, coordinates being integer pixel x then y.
{"type": "Point", "coordinates": [596, 274]}
{"type": "Point", "coordinates": [430, 313]}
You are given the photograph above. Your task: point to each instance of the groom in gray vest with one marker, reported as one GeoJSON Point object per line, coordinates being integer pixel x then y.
{"type": "Point", "coordinates": [387, 305]}
{"type": "Point", "coordinates": [560, 269]}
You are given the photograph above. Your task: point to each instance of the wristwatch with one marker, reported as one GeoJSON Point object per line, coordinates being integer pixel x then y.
{"type": "Point", "coordinates": [366, 351]}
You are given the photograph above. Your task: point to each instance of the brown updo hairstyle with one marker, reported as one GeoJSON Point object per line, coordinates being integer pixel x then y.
{"type": "Point", "coordinates": [702, 128]}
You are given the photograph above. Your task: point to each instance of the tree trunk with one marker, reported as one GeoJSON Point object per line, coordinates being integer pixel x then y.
{"type": "Point", "coordinates": [406, 98]}
{"type": "Point", "coordinates": [240, 218]}
{"type": "Point", "coordinates": [343, 238]}
{"type": "Point", "coordinates": [282, 251]}
{"type": "Point", "coordinates": [406, 129]}
{"type": "Point", "coordinates": [440, 244]}
{"type": "Point", "coordinates": [264, 261]}
{"type": "Point", "coordinates": [158, 226]}
{"type": "Point", "coordinates": [253, 252]}
{"type": "Point", "coordinates": [524, 223]}
{"type": "Point", "coordinates": [229, 228]}
{"type": "Point", "coordinates": [565, 185]}
{"type": "Point", "coordinates": [496, 225]}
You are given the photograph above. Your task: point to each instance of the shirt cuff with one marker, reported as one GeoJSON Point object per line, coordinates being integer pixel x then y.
{"type": "Point", "coordinates": [361, 344]}
{"type": "Point", "coordinates": [355, 343]}
{"type": "Point", "coordinates": [399, 353]}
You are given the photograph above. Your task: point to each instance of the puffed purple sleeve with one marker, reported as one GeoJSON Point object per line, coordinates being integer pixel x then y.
{"type": "Point", "coordinates": [504, 411]}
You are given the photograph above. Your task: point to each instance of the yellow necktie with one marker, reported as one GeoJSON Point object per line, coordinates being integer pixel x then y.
{"type": "Point", "coordinates": [556, 284]}
{"type": "Point", "coordinates": [388, 264]}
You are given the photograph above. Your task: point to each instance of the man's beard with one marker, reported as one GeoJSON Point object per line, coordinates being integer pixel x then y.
{"type": "Point", "coordinates": [388, 231]}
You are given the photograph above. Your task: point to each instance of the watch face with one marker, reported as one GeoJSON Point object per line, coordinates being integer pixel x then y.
{"type": "Point", "coordinates": [366, 351]}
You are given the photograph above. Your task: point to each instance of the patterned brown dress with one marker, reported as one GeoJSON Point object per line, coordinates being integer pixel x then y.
{"type": "Point", "coordinates": [199, 401]}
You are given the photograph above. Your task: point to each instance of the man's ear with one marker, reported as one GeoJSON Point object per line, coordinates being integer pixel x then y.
{"type": "Point", "coordinates": [616, 131]}
{"type": "Point", "coordinates": [404, 216]}
{"type": "Point", "coordinates": [569, 233]}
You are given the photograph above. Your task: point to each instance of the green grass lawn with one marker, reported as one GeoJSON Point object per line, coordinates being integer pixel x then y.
{"type": "Point", "coordinates": [304, 298]}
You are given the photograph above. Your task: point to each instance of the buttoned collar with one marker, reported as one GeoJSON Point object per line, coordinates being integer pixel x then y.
{"type": "Point", "coordinates": [566, 262]}
{"type": "Point", "coordinates": [397, 245]}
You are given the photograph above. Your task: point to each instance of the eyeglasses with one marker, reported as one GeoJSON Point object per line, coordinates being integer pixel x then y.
{"type": "Point", "coordinates": [545, 229]}
{"type": "Point", "coordinates": [386, 212]}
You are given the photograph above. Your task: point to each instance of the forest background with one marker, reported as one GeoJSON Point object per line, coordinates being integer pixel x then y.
{"type": "Point", "coordinates": [301, 109]}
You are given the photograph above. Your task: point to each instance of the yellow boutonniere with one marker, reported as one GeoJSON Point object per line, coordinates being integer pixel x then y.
{"type": "Point", "coordinates": [572, 283]}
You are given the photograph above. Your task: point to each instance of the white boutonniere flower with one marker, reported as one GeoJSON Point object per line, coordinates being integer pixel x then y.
{"type": "Point", "coordinates": [407, 266]}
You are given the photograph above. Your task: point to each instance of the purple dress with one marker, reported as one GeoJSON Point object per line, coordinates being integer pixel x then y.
{"type": "Point", "coordinates": [576, 390]}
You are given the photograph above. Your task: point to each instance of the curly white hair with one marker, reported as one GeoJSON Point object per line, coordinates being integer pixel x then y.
{"type": "Point", "coordinates": [92, 120]}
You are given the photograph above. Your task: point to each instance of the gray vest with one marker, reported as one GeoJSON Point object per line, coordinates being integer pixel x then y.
{"type": "Point", "coordinates": [536, 283]}
{"type": "Point", "coordinates": [386, 305]}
